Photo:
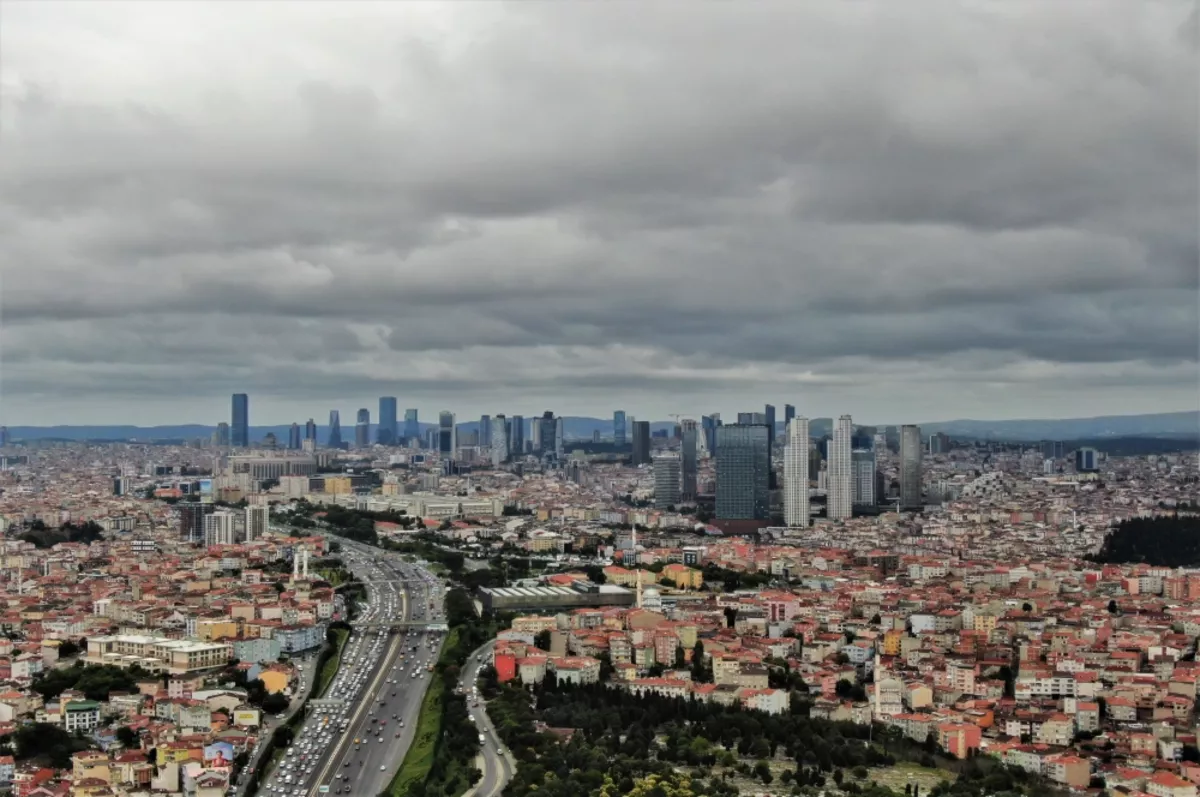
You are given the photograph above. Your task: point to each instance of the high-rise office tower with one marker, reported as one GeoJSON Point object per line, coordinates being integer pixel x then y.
{"type": "Point", "coordinates": [447, 438]}
{"type": "Point", "coordinates": [222, 434]}
{"type": "Point", "coordinates": [547, 429]}
{"type": "Point", "coordinates": [619, 428]}
{"type": "Point", "coordinates": [362, 428]}
{"type": "Point", "coordinates": [769, 413]}
{"type": "Point", "coordinates": [743, 472]}
{"type": "Point", "coordinates": [3, 436]}
{"type": "Point", "coordinates": [294, 437]}
{"type": "Point", "coordinates": [335, 430]}
{"type": "Point", "coordinates": [814, 462]}
{"type": "Point", "coordinates": [239, 429]}
{"type": "Point", "coordinates": [516, 437]}
{"type": "Point", "coordinates": [789, 412]}
{"type": "Point", "coordinates": [862, 465]}
{"type": "Point", "coordinates": [412, 428]}
{"type": "Point", "coordinates": [485, 431]}
{"type": "Point", "coordinates": [310, 430]}
{"type": "Point", "coordinates": [666, 481]}
{"type": "Point", "coordinates": [559, 436]}
{"type": "Point", "coordinates": [641, 443]}
{"type": "Point", "coordinates": [258, 520]}
{"type": "Point", "coordinates": [840, 496]}
{"type": "Point", "coordinates": [795, 473]}
{"type": "Point", "coordinates": [752, 419]}
{"type": "Point", "coordinates": [688, 459]}
{"type": "Point", "coordinates": [710, 423]}
{"type": "Point", "coordinates": [386, 433]}
{"type": "Point", "coordinates": [499, 441]}
{"type": "Point", "coordinates": [939, 443]}
{"type": "Point", "coordinates": [910, 466]}
{"type": "Point", "coordinates": [1087, 460]}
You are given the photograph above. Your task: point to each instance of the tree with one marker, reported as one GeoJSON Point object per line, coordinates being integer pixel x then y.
{"type": "Point", "coordinates": [1112, 606]}
{"type": "Point", "coordinates": [680, 657]}
{"type": "Point", "coordinates": [128, 737]}
{"type": "Point", "coordinates": [730, 616]}
{"type": "Point", "coordinates": [541, 640]}
{"type": "Point", "coordinates": [1027, 607]}
{"type": "Point", "coordinates": [274, 703]}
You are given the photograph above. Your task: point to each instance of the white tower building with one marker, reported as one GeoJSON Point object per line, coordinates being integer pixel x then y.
{"type": "Point", "coordinates": [795, 473]}
{"type": "Point", "coordinates": [841, 482]}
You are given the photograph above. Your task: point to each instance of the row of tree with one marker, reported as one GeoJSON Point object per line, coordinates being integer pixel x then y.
{"type": "Point", "coordinates": [1165, 541]}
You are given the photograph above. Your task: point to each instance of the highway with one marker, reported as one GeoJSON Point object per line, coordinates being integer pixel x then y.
{"type": "Point", "coordinates": [494, 761]}
{"type": "Point", "coordinates": [377, 666]}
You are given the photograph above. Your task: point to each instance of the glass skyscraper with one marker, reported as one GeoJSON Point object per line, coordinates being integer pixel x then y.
{"type": "Point", "coordinates": [743, 472]}
{"type": "Point", "coordinates": [447, 441]}
{"type": "Point", "coordinates": [516, 436]}
{"type": "Point", "coordinates": [362, 428]}
{"type": "Point", "coordinates": [796, 473]}
{"type": "Point", "coordinates": [910, 466]}
{"type": "Point", "coordinates": [412, 428]}
{"type": "Point", "coordinates": [239, 428]}
{"type": "Point", "coordinates": [294, 437]}
{"type": "Point", "coordinates": [619, 428]}
{"type": "Point", "coordinates": [335, 430]}
{"type": "Point", "coordinates": [386, 433]}
{"type": "Point", "coordinates": [688, 459]}
{"type": "Point", "coordinates": [641, 443]}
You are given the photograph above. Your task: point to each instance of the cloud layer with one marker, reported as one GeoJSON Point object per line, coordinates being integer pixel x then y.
{"type": "Point", "coordinates": [907, 213]}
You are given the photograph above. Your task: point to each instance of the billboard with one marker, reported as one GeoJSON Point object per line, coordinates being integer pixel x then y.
{"type": "Point", "coordinates": [245, 717]}
{"type": "Point", "coordinates": [219, 754]}
{"type": "Point", "coordinates": [206, 487]}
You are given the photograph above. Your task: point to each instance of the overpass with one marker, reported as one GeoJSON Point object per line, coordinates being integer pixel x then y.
{"type": "Point", "coordinates": [400, 625]}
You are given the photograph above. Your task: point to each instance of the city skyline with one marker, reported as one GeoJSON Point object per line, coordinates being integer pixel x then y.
{"type": "Point", "coordinates": [959, 222]}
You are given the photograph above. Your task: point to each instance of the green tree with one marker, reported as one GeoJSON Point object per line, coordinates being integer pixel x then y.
{"type": "Point", "coordinates": [128, 737]}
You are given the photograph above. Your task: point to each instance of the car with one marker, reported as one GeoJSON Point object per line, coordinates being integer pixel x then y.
{"type": "Point", "coordinates": [382, 768]}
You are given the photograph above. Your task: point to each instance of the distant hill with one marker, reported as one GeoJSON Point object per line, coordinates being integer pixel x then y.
{"type": "Point", "coordinates": [1184, 426]}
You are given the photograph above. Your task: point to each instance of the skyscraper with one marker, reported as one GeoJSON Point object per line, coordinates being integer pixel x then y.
{"type": "Point", "coordinates": [840, 494]}
{"type": "Point", "coordinates": [335, 430]}
{"type": "Point", "coordinates": [752, 418]}
{"type": "Point", "coordinates": [239, 428]}
{"type": "Point", "coordinates": [910, 466]}
{"type": "Point", "coordinates": [499, 441]}
{"type": "Point", "coordinates": [1087, 460]}
{"type": "Point", "coordinates": [386, 433]}
{"type": "Point", "coordinates": [641, 443]}
{"type": "Point", "coordinates": [310, 430]}
{"type": "Point", "coordinates": [294, 437]}
{"type": "Point", "coordinates": [222, 434]}
{"type": "Point", "coordinates": [516, 436]}
{"type": "Point", "coordinates": [795, 473]}
{"type": "Point", "coordinates": [743, 472]}
{"type": "Point", "coordinates": [546, 433]}
{"type": "Point", "coordinates": [709, 424]}
{"type": "Point", "coordinates": [769, 413]}
{"type": "Point", "coordinates": [939, 443]}
{"type": "Point", "coordinates": [688, 459]}
{"type": "Point", "coordinates": [362, 428]}
{"type": "Point", "coordinates": [619, 428]}
{"type": "Point", "coordinates": [447, 434]}
{"type": "Point", "coordinates": [559, 436]}
{"type": "Point", "coordinates": [862, 465]}
{"type": "Point", "coordinates": [666, 481]}
{"type": "Point", "coordinates": [485, 431]}
{"type": "Point", "coordinates": [789, 412]}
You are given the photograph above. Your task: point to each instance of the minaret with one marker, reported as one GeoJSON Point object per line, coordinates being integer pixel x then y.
{"type": "Point", "coordinates": [637, 573]}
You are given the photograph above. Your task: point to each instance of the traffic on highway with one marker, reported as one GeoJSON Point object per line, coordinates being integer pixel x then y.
{"type": "Point", "coordinates": [353, 740]}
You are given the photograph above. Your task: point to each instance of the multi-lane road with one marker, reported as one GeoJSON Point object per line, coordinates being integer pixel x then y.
{"type": "Point", "coordinates": [495, 761]}
{"type": "Point", "coordinates": [353, 741]}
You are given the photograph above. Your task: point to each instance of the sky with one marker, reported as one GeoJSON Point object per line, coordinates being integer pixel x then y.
{"type": "Point", "coordinates": [904, 211]}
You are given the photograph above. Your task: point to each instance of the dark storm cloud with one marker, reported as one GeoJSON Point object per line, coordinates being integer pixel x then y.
{"type": "Point", "coordinates": [470, 204]}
